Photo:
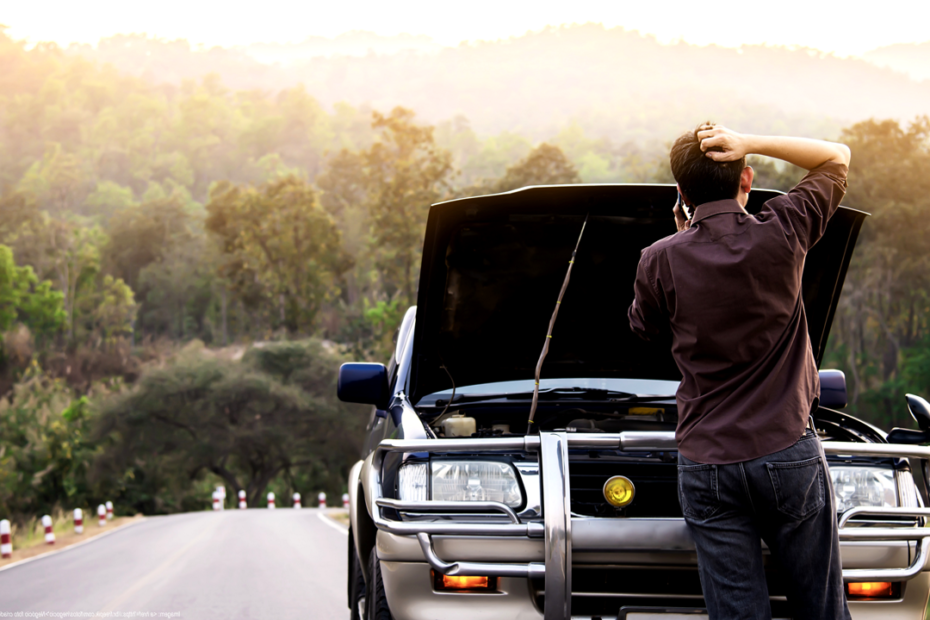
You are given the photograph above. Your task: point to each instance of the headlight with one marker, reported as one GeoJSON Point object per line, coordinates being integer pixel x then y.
{"type": "Point", "coordinates": [460, 481]}
{"type": "Point", "coordinates": [863, 486]}
{"type": "Point", "coordinates": [413, 482]}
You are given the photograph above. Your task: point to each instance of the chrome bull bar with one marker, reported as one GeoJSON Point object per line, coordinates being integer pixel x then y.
{"type": "Point", "coordinates": [556, 529]}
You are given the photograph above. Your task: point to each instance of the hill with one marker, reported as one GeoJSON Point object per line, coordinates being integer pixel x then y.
{"type": "Point", "coordinates": [910, 58]}
{"type": "Point", "coordinates": [615, 83]}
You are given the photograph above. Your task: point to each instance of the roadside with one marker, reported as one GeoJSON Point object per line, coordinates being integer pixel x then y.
{"type": "Point", "coordinates": [33, 544]}
{"type": "Point", "coordinates": [339, 516]}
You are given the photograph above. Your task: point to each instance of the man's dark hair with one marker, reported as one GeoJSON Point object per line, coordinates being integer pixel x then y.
{"type": "Point", "coordinates": [701, 178]}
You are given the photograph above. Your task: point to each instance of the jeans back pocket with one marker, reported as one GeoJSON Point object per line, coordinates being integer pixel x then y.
{"type": "Point", "coordinates": [798, 486]}
{"type": "Point", "coordinates": [697, 491]}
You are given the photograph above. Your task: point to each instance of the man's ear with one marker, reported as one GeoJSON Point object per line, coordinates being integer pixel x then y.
{"type": "Point", "coordinates": [683, 196]}
{"type": "Point", "coordinates": [745, 179]}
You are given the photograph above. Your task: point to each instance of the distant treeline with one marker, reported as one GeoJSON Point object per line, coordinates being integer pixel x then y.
{"type": "Point", "coordinates": [616, 83]}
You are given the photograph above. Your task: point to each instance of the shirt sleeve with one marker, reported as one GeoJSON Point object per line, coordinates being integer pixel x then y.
{"type": "Point", "coordinates": [648, 319]}
{"type": "Point", "coordinates": [805, 210]}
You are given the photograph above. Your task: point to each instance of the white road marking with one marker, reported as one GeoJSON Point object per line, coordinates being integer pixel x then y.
{"type": "Point", "coordinates": [332, 523]}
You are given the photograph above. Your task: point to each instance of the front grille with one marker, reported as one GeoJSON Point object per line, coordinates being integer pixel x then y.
{"type": "Point", "coordinates": [603, 590]}
{"type": "Point", "coordinates": [656, 483]}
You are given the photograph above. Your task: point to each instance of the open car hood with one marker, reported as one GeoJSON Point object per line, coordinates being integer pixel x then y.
{"type": "Point", "coordinates": [493, 266]}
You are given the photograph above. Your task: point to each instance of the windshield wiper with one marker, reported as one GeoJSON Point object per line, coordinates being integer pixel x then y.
{"type": "Point", "coordinates": [584, 392]}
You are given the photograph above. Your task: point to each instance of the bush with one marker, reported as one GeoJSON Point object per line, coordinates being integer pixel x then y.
{"type": "Point", "coordinates": [271, 419]}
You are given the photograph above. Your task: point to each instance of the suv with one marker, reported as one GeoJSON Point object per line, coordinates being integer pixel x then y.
{"type": "Point", "coordinates": [458, 513]}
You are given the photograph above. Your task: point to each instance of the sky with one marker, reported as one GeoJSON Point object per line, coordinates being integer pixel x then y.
{"type": "Point", "coordinates": [842, 28]}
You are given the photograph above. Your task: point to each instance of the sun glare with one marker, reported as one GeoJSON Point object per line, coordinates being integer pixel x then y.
{"type": "Point", "coordinates": [847, 29]}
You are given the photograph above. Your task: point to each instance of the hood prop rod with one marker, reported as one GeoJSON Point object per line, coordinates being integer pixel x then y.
{"type": "Point", "coordinates": [555, 313]}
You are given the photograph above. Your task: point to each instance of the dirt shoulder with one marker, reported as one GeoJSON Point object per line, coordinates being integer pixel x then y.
{"type": "Point", "coordinates": [63, 540]}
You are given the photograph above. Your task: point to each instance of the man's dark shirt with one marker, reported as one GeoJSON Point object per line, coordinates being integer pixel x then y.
{"type": "Point", "coordinates": [729, 290]}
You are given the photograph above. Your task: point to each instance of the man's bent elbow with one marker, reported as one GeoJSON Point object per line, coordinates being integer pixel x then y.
{"type": "Point", "coordinates": [843, 154]}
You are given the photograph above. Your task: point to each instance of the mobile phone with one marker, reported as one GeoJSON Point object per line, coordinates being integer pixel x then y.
{"type": "Point", "coordinates": [683, 207]}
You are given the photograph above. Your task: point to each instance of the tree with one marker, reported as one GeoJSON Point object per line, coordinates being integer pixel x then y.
{"type": "Point", "coordinates": [545, 165]}
{"type": "Point", "coordinates": [107, 198]}
{"type": "Point", "coordinates": [250, 422]}
{"type": "Point", "coordinates": [279, 236]}
{"type": "Point", "coordinates": [23, 298]}
{"type": "Point", "coordinates": [115, 310]}
{"type": "Point", "coordinates": [885, 308]}
{"type": "Point", "coordinates": [57, 180]}
{"type": "Point", "coordinates": [397, 178]}
{"type": "Point", "coordinates": [44, 456]}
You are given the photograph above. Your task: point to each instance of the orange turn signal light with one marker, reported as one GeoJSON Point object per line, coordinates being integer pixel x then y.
{"type": "Point", "coordinates": [463, 584]}
{"type": "Point", "coordinates": [871, 589]}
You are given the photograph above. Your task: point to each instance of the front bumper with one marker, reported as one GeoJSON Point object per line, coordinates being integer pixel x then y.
{"type": "Point", "coordinates": [545, 551]}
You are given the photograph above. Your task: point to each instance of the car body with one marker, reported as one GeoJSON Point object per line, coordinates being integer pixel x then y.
{"type": "Point", "coordinates": [451, 485]}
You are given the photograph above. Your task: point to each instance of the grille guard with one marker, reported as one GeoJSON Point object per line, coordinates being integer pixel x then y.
{"type": "Point", "coordinates": [556, 528]}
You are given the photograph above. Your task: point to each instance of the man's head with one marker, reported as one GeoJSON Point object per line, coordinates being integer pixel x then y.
{"type": "Point", "coordinates": [700, 178]}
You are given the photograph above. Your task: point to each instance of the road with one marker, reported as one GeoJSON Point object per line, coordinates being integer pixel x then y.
{"type": "Point", "coordinates": [255, 563]}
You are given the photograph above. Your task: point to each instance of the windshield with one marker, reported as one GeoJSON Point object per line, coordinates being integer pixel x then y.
{"type": "Point", "coordinates": [632, 386]}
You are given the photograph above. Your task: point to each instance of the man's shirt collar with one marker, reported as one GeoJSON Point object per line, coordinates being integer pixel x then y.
{"type": "Point", "coordinates": [715, 208]}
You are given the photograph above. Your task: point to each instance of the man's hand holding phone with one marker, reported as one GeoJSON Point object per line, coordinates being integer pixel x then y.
{"type": "Point", "coordinates": [682, 219]}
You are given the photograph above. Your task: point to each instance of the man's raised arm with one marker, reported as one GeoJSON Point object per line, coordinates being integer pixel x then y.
{"type": "Point", "coordinates": [802, 152]}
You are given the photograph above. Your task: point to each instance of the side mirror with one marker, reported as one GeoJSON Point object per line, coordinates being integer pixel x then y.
{"type": "Point", "coordinates": [833, 389]}
{"type": "Point", "coordinates": [920, 410]}
{"type": "Point", "coordinates": [363, 383]}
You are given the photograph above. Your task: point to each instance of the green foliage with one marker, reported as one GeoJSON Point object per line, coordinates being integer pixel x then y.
{"type": "Point", "coordinates": [278, 235]}
{"type": "Point", "coordinates": [107, 198]}
{"type": "Point", "coordinates": [545, 165]}
{"type": "Point", "coordinates": [10, 289]}
{"type": "Point", "coordinates": [884, 316]}
{"type": "Point", "coordinates": [396, 179]}
{"type": "Point", "coordinates": [23, 298]}
{"type": "Point", "coordinates": [772, 174]}
{"type": "Point", "coordinates": [271, 416]}
{"type": "Point", "coordinates": [115, 310]}
{"type": "Point", "coordinates": [44, 454]}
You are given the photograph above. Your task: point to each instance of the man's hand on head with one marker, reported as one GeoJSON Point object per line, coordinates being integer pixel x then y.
{"type": "Point", "coordinates": [722, 144]}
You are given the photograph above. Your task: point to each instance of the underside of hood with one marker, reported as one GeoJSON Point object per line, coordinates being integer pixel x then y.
{"type": "Point", "coordinates": [493, 266]}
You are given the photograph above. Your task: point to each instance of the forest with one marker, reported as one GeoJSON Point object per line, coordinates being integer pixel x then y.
{"type": "Point", "coordinates": [183, 267]}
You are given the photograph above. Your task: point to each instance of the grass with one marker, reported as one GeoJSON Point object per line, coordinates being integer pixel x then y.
{"type": "Point", "coordinates": [340, 516]}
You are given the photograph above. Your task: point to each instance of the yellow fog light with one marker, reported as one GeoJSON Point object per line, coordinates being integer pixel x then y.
{"type": "Point", "coordinates": [619, 491]}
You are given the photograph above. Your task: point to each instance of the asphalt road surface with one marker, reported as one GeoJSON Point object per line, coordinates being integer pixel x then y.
{"type": "Point", "coordinates": [255, 563]}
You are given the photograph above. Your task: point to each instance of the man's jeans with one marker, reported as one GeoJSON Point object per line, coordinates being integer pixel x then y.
{"type": "Point", "coordinates": [785, 499]}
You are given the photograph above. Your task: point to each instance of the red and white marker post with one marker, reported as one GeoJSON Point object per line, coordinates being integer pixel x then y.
{"type": "Point", "coordinates": [345, 501]}
{"type": "Point", "coordinates": [101, 515]}
{"type": "Point", "coordinates": [78, 521]}
{"type": "Point", "coordinates": [49, 534]}
{"type": "Point", "coordinates": [242, 504]}
{"type": "Point", "coordinates": [297, 500]}
{"type": "Point", "coordinates": [321, 499]}
{"type": "Point", "coordinates": [271, 500]}
{"type": "Point", "coordinates": [216, 500]}
{"type": "Point", "coordinates": [6, 546]}
{"type": "Point", "coordinates": [109, 511]}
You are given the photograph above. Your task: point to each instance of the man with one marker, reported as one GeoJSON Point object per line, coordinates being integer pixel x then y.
{"type": "Point", "coordinates": [727, 289]}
